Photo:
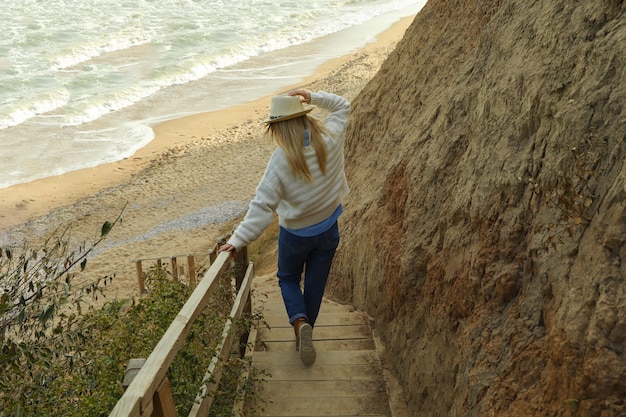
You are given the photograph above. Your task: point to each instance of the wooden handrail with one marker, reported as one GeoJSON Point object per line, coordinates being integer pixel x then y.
{"type": "Point", "coordinates": [138, 397]}
{"type": "Point", "coordinates": [203, 402]}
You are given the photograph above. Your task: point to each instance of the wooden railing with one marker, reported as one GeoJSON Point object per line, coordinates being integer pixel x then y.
{"type": "Point", "coordinates": [148, 394]}
{"type": "Point", "coordinates": [176, 270]}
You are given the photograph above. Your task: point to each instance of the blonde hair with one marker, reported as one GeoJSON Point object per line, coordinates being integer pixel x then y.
{"type": "Point", "coordinates": [289, 135]}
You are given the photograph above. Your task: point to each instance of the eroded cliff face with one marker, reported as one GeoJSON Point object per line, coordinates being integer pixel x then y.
{"type": "Point", "coordinates": [486, 228]}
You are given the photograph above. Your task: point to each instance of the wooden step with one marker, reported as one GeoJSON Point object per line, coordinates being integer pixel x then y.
{"type": "Point", "coordinates": [325, 319]}
{"type": "Point", "coordinates": [353, 388]}
{"type": "Point", "coordinates": [318, 372]}
{"type": "Point", "coordinates": [286, 334]}
{"type": "Point", "coordinates": [358, 357]}
{"type": "Point", "coordinates": [324, 406]}
{"type": "Point", "coordinates": [320, 346]}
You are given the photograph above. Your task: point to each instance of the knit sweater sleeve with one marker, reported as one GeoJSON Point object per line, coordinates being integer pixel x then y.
{"type": "Point", "coordinates": [261, 209]}
{"type": "Point", "coordinates": [338, 107]}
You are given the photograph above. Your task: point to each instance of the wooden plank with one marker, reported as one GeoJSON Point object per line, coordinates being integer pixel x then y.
{"type": "Point", "coordinates": [140, 279]}
{"type": "Point", "coordinates": [323, 406]}
{"type": "Point", "coordinates": [282, 334]}
{"type": "Point", "coordinates": [336, 389]}
{"type": "Point", "coordinates": [163, 401]}
{"type": "Point", "coordinates": [356, 357]}
{"type": "Point", "coordinates": [174, 263]}
{"type": "Point", "coordinates": [324, 319]}
{"type": "Point", "coordinates": [191, 264]}
{"type": "Point", "coordinates": [158, 258]}
{"type": "Point", "coordinates": [132, 369]}
{"type": "Point", "coordinates": [321, 373]}
{"type": "Point", "coordinates": [240, 403]}
{"type": "Point", "coordinates": [153, 372]}
{"type": "Point", "coordinates": [321, 345]}
{"type": "Point", "coordinates": [147, 412]}
{"type": "Point", "coordinates": [351, 415]}
{"type": "Point", "coordinates": [128, 406]}
{"type": "Point", "coordinates": [211, 380]}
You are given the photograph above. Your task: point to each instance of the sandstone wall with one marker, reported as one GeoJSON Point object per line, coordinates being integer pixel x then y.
{"type": "Point", "coordinates": [486, 228]}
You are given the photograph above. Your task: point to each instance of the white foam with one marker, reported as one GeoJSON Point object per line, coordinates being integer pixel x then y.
{"type": "Point", "coordinates": [93, 110]}
{"type": "Point", "coordinates": [19, 112]}
{"type": "Point", "coordinates": [82, 85]}
{"type": "Point", "coordinates": [88, 51]}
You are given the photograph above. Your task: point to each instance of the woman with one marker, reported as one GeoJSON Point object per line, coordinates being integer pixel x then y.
{"type": "Point", "coordinates": [304, 183]}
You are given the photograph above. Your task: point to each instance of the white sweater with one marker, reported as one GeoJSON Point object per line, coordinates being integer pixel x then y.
{"type": "Point", "coordinates": [298, 203]}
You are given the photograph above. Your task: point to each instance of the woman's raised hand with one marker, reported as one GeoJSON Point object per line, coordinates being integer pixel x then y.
{"type": "Point", "coordinates": [306, 96]}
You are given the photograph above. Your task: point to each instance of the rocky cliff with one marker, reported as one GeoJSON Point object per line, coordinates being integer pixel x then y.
{"type": "Point", "coordinates": [486, 228]}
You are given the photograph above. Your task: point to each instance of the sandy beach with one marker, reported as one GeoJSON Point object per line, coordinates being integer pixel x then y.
{"type": "Point", "coordinates": [182, 191]}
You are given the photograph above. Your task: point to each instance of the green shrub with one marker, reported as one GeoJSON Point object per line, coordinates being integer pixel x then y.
{"type": "Point", "coordinates": [58, 360]}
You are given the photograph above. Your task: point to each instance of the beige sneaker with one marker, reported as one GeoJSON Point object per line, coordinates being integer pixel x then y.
{"type": "Point", "coordinates": [305, 344]}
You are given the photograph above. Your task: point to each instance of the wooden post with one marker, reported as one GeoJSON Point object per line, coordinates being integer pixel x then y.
{"type": "Point", "coordinates": [140, 280]}
{"type": "Point", "coordinates": [134, 365]}
{"type": "Point", "coordinates": [215, 251]}
{"type": "Point", "coordinates": [164, 401]}
{"type": "Point", "coordinates": [191, 265]}
{"type": "Point", "coordinates": [241, 264]}
{"type": "Point", "coordinates": [240, 267]}
{"type": "Point", "coordinates": [212, 256]}
{"type": "Point", "coordinates": [174, 268]}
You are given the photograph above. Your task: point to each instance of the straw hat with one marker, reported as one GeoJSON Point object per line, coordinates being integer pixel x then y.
{"type": "Point", "coordinates": [286, 108]}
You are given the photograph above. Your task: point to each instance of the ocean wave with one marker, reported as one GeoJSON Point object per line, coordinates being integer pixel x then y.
{"type": "Point", "coordinates": [96, 107]}
{"type": "Point", "coordinates": [88, 51]}
{"type": "Point", "coordinates": [19, 112]}
{"type": "Point", "coordinates": [176, 57]}
{"type": "Point", "coordinates": [78, 64]}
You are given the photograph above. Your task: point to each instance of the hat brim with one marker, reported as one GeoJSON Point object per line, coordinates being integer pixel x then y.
{"type": "Point", "coordinates": [288, 117]}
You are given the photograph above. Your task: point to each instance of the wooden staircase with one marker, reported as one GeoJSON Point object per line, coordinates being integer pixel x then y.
{"type": "Point", "coordinates": [347, 377]}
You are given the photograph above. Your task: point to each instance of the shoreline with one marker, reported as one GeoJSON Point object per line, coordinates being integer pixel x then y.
{"type": "Point", "coordinates": [22, 202]}
{"type": "Point", "coordinates": [181, 192]}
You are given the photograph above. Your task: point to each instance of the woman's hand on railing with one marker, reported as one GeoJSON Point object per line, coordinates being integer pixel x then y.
{"type": "Point", "coordinates": [228, 248]}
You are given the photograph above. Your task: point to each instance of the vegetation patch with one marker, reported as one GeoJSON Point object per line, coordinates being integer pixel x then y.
{"type": "Point", "coordinates": [59, 358]}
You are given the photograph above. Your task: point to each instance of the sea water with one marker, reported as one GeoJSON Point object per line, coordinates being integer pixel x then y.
{"type": "Point", "coordinates": [82, 82]}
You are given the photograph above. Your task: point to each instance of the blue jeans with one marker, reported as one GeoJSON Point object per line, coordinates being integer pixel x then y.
{"type": "Point", "coordinates": [313, 256]}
